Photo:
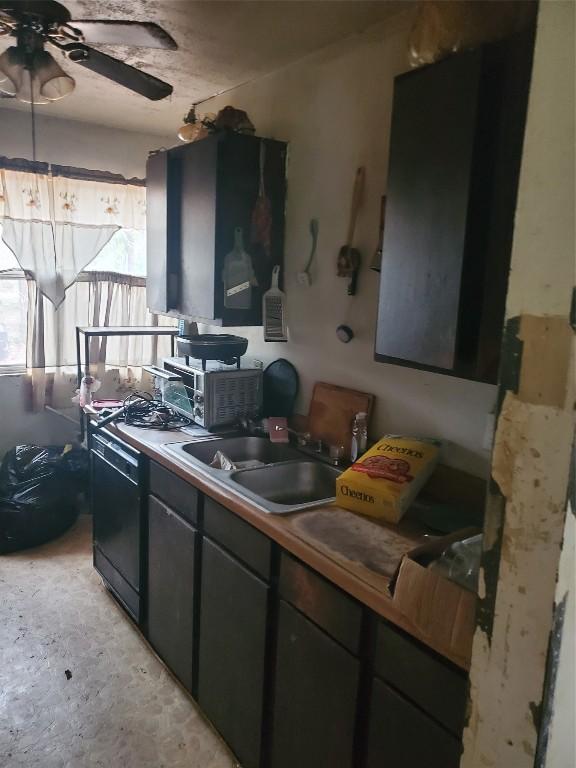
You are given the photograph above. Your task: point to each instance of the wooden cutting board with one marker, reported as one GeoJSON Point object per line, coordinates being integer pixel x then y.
{"type": "Point", "coordinates": [332, 411]}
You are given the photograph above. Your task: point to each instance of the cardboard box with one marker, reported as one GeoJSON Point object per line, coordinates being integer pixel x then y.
{"type": "Point", "coordinates": [442, 612]}
{"type": "Point", "coordinates": [385, 480]}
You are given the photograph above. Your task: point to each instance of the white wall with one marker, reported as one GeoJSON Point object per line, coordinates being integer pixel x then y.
{"type": "Point", "coordinates": [334, 107]}
{"type": "Point", "coordinates": [19, 426]}
{"type": "Point", "coordinates": [82, 145]}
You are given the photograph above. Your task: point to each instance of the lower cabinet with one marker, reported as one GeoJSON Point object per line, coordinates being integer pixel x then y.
{"type": "Point", "coordinates": [172, 544]}
{"type": "Point", "coordinates": [315, 696]}
{"type": "Point", "coordinates": [232, 651]}
{"type": "Point", "coordinates": [402, 736]}
{"type": "Point", "coordinates": [279, 658]}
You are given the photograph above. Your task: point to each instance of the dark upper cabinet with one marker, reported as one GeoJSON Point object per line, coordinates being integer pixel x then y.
{"type": "Point", "coordinates": [455, 150]}
{"type": "Point", "coordinates": [199, 195]}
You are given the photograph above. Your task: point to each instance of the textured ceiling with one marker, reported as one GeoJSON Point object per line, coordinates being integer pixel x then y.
{"type": "Point", "coordinates": [220, 45]}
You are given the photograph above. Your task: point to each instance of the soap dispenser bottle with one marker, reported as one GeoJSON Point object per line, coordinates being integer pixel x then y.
{"type": "Point", "coordinates": [359, 435]}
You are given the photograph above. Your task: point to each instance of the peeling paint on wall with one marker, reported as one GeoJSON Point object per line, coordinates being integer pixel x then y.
{"type": "Point", "coordinates": [545, 712]}
{"type": "Point", "coordinates": [510, 654]}
{"type": "Point", "coordinates": [536, 354]}
{"type": "Point", "coordinates": [511, 358]}
{"type": "Point", "coordinates": [545, 359]}
{"type": "Point", "coordinates": [488, 581]}
{"type": "Point", "coordinates": [527, 507]}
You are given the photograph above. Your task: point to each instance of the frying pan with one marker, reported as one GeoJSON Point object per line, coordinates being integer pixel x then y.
{"type": "Point", "coordinates": [280, 388]}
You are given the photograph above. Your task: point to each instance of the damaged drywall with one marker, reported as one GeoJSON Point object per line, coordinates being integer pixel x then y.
{"type": "Point", "coordinates": [526, 515]}
{"type": "Point", "coordinates": [536, 358]}
{"type": "Point", "coordinates": [530, 467]}
{"type": "Point", "coordinates": [551, 678]}
{"type": "Point", "coordinates": [545, 359]}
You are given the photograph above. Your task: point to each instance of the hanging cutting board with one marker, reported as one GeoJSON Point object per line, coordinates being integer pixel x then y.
{"type": "Point", "coordinates": [332, 411]}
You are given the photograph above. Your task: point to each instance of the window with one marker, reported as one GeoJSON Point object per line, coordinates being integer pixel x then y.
{"type": "Point", "coordinates": [13, 310]}
{"type": "Point", "coordinates": [124, 254]}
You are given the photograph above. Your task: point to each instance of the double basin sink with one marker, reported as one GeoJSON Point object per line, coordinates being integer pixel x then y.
{"type": "Point", "coordinates": [279, 479]}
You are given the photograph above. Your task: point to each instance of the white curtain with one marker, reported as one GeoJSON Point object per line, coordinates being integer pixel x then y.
{"type": "Point", "coordinates": [56, 225]}
{"type": "Point", "coordinates": [95, 299]}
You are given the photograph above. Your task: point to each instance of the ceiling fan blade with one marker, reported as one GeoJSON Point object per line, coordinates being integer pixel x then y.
{"type": "Point", "coordinates": [48, 10]}
{"type": "Point", "coordinates": [137, 33]}
{"type": "Point", "coordinates": [114, 69]}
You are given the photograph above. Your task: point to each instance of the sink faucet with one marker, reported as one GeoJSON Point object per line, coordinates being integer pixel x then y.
{"type": "Point", "coordinates": [303, 439]}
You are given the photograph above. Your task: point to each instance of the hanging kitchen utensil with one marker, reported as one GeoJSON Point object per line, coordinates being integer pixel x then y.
{"type": "Point", "coordinates": [304, 277]}
{"type": "Point", "coordinates": [377, 258]}
{"type": "Point", "coordinates": [349, 258]}
{"type": "Point", "coordinates": [262, 213]}
{"type": "Point", "coordinates": [273, 312]}
{"type": "Point", "coordinates": [238, 275]}
{"type": "Point", "coordinates": [280, 384]}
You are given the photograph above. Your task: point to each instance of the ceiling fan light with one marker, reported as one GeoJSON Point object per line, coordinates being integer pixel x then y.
{"type": "Point", "coordinates": [193, 128]}
{"type": "Point", "coordinates": [11, 71]}
{"type": "Point", "coordinates": [54, 83]}
{"type": "Point", "coordinates": [191, 132]}
{"type": "Point", "coordinates": [29, 90]}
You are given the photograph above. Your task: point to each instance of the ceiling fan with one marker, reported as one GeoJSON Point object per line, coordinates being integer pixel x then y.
{"type": "Point", "coordinates": [31, 74]}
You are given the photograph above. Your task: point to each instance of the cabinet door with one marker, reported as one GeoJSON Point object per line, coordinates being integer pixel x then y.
{"type": "Point", "coordinates": [431, 156]}
{"type": "Point", "coordinates": [402, 736]}
{"type": "Point", "coordinates": [238, 185]}
{"type": "Point", "coordinates": [171, 577]}
{"type": "Point", "coordinates": [232, 647]}
{"type": "Point", "coordinates": [315, 696]}
{"type": "Point", "coordinates": [431, 682]}
{"type": "Point", "coordinates": [157, 293]}
{"type": "Point", "coordinates": [198, 190]}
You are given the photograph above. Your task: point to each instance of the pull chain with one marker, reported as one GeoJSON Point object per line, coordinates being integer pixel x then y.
{"type": "Point", "coordinates": [32, 115]}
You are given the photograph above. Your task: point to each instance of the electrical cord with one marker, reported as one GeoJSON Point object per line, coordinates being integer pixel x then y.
{"type": "Point", "coordinates": [141, 409]}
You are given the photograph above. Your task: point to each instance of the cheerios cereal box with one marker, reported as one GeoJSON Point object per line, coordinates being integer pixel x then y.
{"type": "Point", "coordinates": [385, 480]}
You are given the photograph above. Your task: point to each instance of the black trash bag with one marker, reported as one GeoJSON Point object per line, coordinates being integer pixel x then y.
{"type": "Point", "coordinates": [39, 489]}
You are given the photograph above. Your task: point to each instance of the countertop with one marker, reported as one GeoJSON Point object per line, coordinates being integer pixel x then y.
{"type": "Point", "coordinates": [309, 535]}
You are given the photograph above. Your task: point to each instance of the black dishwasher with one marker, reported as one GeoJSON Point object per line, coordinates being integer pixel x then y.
{"type": "Point", "coordinates": [117, 509]}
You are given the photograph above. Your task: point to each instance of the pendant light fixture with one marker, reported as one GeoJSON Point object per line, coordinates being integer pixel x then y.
{"type": "Point", "coordinates": [193, 128]}
{"type": "Point", "coordinates": [31, 74]}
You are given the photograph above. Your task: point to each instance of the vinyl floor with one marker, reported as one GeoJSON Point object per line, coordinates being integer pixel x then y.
{"type": "Point", "coordinates": [79, 686]}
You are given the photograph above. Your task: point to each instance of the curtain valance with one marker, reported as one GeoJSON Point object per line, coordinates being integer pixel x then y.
{"type": "Point", "coordinates": [44, 197]}
{"type": "Point", "coordinates": [56, 225]}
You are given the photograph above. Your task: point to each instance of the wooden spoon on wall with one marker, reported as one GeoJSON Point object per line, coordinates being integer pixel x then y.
{"type": "Point", "coordinates": [349, 258]}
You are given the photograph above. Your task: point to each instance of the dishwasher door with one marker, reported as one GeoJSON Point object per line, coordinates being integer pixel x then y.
{"type": "Point", "coordinates": [116, 508]}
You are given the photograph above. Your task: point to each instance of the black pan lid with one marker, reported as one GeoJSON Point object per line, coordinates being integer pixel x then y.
{"type": "Point", "coordinates": [280, 388]}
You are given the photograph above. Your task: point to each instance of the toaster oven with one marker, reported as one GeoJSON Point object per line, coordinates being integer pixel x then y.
{"type": "Point", "coordinates": [216, 397]}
